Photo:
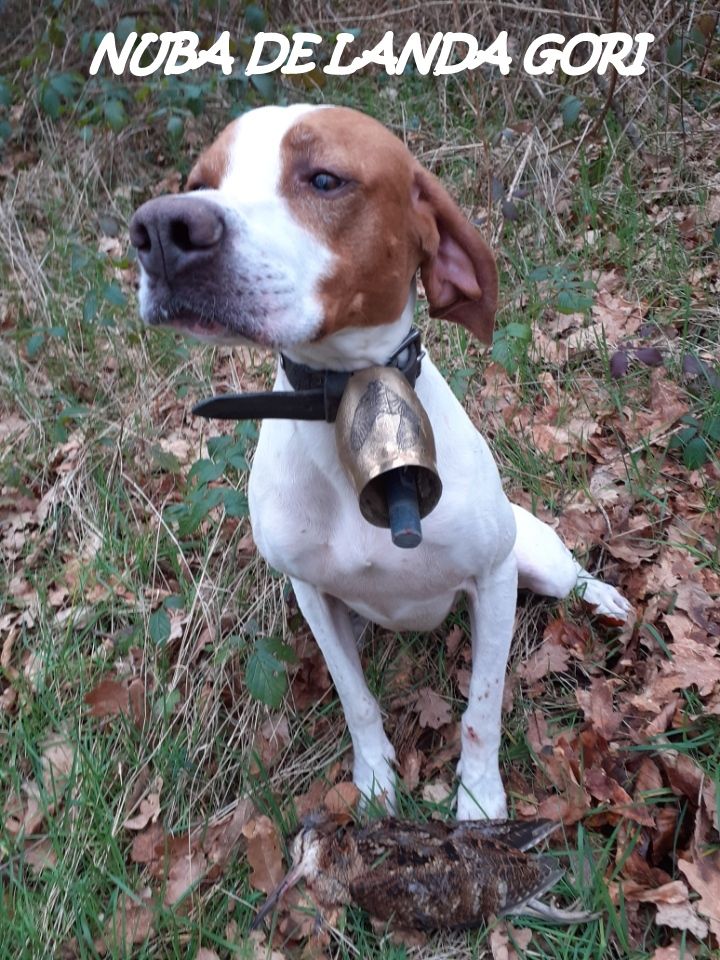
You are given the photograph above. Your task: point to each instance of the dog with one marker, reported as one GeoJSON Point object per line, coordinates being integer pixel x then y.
{"type": "Point", "coordinates": [302, 231]}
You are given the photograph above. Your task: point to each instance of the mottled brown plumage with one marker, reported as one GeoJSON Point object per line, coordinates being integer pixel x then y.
{"type": "Point", "coordinates": [425, 876]}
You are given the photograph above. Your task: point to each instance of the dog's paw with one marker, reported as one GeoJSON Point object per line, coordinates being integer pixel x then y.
{"type": "Point", "coordinates": [376, 780]}
{"type": "Point", "coordinates": [605, 600]}
{"type": "Point", "coordinates": [484, 800]}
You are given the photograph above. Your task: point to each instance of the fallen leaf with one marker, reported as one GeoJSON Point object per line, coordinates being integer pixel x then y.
{"type": "Point", "coordinates": [306, 802]}
{"type": "Point", "coordinates": [148, 845]}
{"type": "Point", "coordinates": [693, 664]}
{"type": "Point", "coordinates": [297, 920]}
{"type": "Point", "coordinates": [695, 601]}
{"type": "Point", "coordinates": [108, 699]}
{"type": "Point", "coordinates": [23, 810]}
{"type": "Point", "coordinates": [56, 762]}
{"type": "Point", "coordinates": [309, 677]}
{"type": "Point", "coordinates": [7, 647]}
{"type": "Point", "coordinates": [462, 677]}
{"type": "Point", "coordinates": [619, 317]}
{"type": "Point", "coordinates": [504, 938]}
{"type": "Point", "coordinates": [131, 923]}
{"type": "Point", "coordinates": [263, 853]}
{"type": "Point", "coordinates": [139, 708]}
{"type": "Point", "coordinates": [703, 875]}
{"type": "Point", "coordinates": [559, 441]}
{"type": "Point", "coordinates": [408, 939]}
{"type": "Point", "coordinates": [635, 544]}
{"type": "Point", "coordinates": [39, 855]}
{"type": "Point", "coordinates": [276, 731]}
{"type": "Point", "coordinates": [149, 810]}
{"type": "Point", "coordinates": [220, 839]}
{"type": "Point", "coordinates": [34, 669]}
{"type": "Point", "coordinates": [681, 916]}
{"type": "Point", "coordinates": [260, 950]}
{"type": "Point", "coordinates": [410, 768]}
{"type": "Point", "coordinates": [433, 710]}
{"type": "Point", "coordinates": [674, 892]}
{"type": "Point", "coordinates": [668, 403]}
{"type": "Point", "coordinates": [606, 788]}
{"type": "Point", "coordinates": [576, 638]}
{"type": "Point", "coordinates": [270, 740]}
{"type": "Point", "coordinates": [550, 657]}
{"type": "Point", "coordinates": [648, 779]}
{"type": "Point", "coordinates": [597, 704]}
{"type": "Point", "coordinates": [456, 635]}
{"type": "Point", "coordinates": [436, 792]}
{"type": "Point", "coordinates": [678, 950]}
{"type": "Point", "coordinates": [342, 798]}
{"type": "Point", "coordinates": [184, 873]}
{"type": "Point", "coordinates": [168, 184]}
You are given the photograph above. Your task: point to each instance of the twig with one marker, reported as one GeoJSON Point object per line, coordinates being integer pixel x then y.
{"type": "Point", "coordinates": [708, 43]}
{"type": "Point", "coordinates": [600, 119]}
{"type": "Point", "coordinates": [628, 127]}
{"type": "Point", "coordinates": [515, 180]}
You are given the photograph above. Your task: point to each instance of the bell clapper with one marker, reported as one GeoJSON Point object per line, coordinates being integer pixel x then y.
{"type": "Point", "coordinates": [403, 508]}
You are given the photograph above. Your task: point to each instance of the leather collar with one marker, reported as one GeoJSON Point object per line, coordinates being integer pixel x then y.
{"type": "Point", "coordinates": [316, 394]}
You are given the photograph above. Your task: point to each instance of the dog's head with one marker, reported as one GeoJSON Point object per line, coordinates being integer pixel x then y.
{"type": "Point", "coordinates": [301, 222]}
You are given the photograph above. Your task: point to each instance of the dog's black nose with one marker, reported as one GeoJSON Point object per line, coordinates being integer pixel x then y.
{"type": "Point", "coordinates": [174, 234]}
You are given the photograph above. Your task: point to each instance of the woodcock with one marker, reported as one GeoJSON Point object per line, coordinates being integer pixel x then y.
{"type": "Point", "coordinates": [426, 876]}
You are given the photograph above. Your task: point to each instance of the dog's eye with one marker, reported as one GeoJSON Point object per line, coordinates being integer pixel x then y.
{"type": "Point", "coordinates": [325, 181]}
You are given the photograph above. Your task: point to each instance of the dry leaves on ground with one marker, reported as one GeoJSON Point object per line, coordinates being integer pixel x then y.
{"type": "Point", "coordinates": [432, 709]}
{"type": "Point", "coordinates": [27, 810]}
{"type": "Point", "coordinates": [263, 853]}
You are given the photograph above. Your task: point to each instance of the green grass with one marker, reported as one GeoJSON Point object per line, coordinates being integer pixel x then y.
{"type": "Point", "coordinates": [98, 460]}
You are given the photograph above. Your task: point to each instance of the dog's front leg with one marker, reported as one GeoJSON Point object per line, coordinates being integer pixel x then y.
{"type": "Point", "coordinates": [492, 613]}
{"type": "Point", "coordinates": [329, 620]}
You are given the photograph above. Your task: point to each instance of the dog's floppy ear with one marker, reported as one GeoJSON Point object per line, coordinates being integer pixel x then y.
{"type": "Point", "coordinates": [458, 270]}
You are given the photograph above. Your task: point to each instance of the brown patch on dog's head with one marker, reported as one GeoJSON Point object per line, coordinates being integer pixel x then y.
{"type": "Point", "coordinates": [212, 164]}
{"type": "Point", "coordinates": [387, 217]}
{"type": "Point", "coordinates": [366, 222]}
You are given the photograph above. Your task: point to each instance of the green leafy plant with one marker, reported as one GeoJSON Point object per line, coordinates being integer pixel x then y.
{"type": "Point", "coordinates": [570, 109]}
{"type": "Point", "coordinates": [565, 290]}
{"type": "Point", "coordinates": [159, 626]}
{"type": "Point", "coordinates": [6, 99]}
{"type": "Point", "coordinates": [696, 440]}
{"type": "Point", "coordinates": [510, 345]}
{"type": "Point", "coordinates": [58, 91]}
{"type": "Point", "coordinates": [227, 458]}
{"type": "Point", "coordinates": [266, 670]}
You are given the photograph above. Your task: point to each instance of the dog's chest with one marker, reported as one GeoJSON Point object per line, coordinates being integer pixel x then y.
{"type": "Point", "coordinates": [313, 530]}
{"type": "Point", "coordinates": [307, 523]}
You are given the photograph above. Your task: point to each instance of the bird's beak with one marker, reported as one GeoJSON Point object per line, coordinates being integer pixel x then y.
{"type": "Point", "coordinates": [288, 881]}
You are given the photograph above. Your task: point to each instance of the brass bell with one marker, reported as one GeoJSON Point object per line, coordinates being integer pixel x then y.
{"type": "Point", "coordinates": [386, 444]}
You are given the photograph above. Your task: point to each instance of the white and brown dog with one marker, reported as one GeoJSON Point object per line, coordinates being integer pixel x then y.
{"type": "Point", "coordinates": [303, 232]}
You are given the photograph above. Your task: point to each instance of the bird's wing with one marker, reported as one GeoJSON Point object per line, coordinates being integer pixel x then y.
{"type": "Point", "coordinates": [408, 887]}
{"type": "Point", "coordinates": [505, 877]}
{"type": "Point", "coordinates": [520, 834]}
{"type": "Point", "coordinates": [425, 876]}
